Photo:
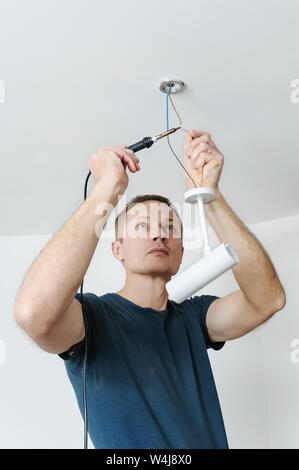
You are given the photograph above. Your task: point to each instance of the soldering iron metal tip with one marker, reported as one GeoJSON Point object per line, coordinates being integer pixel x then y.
{"type": "Point", "coordinates": [164, 134]}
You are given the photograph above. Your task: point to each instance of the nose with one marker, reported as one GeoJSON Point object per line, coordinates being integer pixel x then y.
{"type": "Point", "coordinates": [160, 232]}
{"type": "Point", "coordinates": [162, 238]}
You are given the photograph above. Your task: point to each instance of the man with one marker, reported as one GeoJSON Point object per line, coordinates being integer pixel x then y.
{"type": "Point", "coordinates": [149, 380]}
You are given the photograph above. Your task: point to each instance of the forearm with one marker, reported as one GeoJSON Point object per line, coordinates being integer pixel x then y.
{"type": "Point", "coordinates": [55, 276]}
{"type": "Point", "coordinates": [255, 274]}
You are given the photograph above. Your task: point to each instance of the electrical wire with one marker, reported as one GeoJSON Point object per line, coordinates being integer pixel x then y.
{"type": "Point", "coordinates": [168, 95]}
{"type": "Point", "coordinates": [85, 352]}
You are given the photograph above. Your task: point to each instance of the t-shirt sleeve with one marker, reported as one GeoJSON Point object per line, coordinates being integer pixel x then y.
{"type": "Point", "coordinates": [201, 305]}
{"type": "Point", "coordinates": [76, 351]}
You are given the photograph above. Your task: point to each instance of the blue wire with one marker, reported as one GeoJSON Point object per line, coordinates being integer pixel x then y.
{"type": "Point", "coordinates": [167, 108]}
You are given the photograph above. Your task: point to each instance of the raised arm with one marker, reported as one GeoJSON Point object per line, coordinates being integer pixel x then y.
{"type": "Point", "coordinates": [45, 307]}
{"type": "Point", "coordinates": [261, 293]}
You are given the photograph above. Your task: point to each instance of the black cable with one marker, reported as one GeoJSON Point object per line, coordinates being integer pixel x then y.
{"type": "Point", "coordinates": [180, 162]}
{"type": "Point", "coordinates": [85, 353]}
{"type": "Point", "coordinates": [135, 148]}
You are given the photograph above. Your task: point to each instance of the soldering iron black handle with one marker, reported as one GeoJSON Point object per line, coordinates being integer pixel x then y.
{"type": "Point", "coordinates": [146, 142]}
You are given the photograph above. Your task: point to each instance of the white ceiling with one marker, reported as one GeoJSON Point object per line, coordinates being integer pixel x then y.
{"type": "Point", "coordinates": [80, 74]}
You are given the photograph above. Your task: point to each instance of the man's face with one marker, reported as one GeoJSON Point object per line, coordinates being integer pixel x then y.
{"type": "Point", "coordinates": [150, 225]}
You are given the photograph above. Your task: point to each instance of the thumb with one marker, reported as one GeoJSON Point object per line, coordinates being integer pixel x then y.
{"type": "Point", "coordinates": [191, 134]}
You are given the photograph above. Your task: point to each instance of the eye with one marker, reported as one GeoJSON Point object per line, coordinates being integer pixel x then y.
{"type": "Point", "coordinates": [141, 223]}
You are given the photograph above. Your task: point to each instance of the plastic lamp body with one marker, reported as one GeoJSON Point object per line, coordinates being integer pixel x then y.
{"type": "Point", "coordinates": [205, 270]}
{"type": "Point", "coordinates": [209, 267]}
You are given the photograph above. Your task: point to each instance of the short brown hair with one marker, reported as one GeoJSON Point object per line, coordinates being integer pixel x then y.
{"type": "Point", "coordinates": [141, 198]}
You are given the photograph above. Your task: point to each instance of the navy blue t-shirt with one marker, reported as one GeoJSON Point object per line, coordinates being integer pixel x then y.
{"type": "Point", "coordinates": [149, 382]}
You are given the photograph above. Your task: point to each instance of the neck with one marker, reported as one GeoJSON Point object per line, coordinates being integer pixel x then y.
{"type": "Point", "coordinates": [145, 291]}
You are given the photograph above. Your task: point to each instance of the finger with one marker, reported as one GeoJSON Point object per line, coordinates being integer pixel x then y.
{"type": "Point", "coordinates": [132, 155]}
{"type": "Point", "coordinates": [116, 148]}
{"type": "Point", "coordinates": [204, 138]}
{"type": "Point", "coordinates": [201, 159]}
{"type": "Point", "coordinates": [126, 156]}
{"type": "Point", "coordinates": [193, 134]}
{"type": "Point", "coordinates": [207, 138]}
{"type": "Point", "coordinates": [126, 160]}
{"type": "Point", "coordinates": [189, 138]}
{"type": "Point", "coordinates": [202, 147]}
{"type": "Point", "coordinates": [133, 159]}
{"type": "Point", "coordinates": [130, 161]}
{"type": "Point", "coordinates": [131, 152]}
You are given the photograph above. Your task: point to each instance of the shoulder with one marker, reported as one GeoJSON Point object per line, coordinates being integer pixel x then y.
{"type": "Point", "coordinates": [196, 302]}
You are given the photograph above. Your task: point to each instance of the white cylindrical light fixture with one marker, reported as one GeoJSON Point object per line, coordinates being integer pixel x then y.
{"type": "Point", "coordinates": [205, 270]}
{"type": "Point", "coordinates": [211, 265]}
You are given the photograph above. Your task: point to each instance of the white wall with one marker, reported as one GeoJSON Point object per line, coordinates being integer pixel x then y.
{"type": "Point", "coordinates": [256, 381]}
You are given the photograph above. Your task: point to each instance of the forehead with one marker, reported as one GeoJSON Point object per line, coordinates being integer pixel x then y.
{"type": "Point", "coordinates": [151, 208]}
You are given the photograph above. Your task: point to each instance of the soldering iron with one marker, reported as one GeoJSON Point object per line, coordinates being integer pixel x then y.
{"type": "Point", "coordinates": [147, 142]}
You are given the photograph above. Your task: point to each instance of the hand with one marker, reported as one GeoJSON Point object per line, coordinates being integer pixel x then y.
{"type": "Point", "coordinates": [110, 164]}
{"type": "Point", "coordinates": [202, 160]}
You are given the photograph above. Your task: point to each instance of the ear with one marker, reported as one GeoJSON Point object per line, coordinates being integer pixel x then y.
{"type": "Point", "coordinates": [117, 250]}
{"type": "Point", "coordinates": [182, 250]}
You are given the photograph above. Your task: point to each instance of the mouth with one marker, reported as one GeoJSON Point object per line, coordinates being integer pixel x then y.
{"type": "Point", "coordinates": [158, 252]}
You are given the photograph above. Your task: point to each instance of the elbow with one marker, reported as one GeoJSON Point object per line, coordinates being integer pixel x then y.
{"type": "Point", "coordinates": [275, 306]}
{"type": "Point", "coordinates": [31, 322]}
{"type": "Point", "coordinates": [21, 313]}
{"type": "Point", "coordinates": [280, 303]}
{"type": "Point", "coordinates": [282, 300]}
{"type": "Point", "coordinates": [278, 297]}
